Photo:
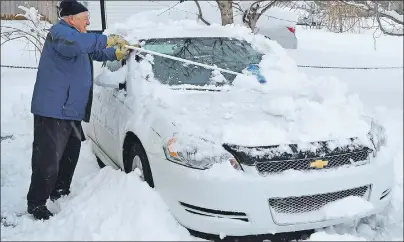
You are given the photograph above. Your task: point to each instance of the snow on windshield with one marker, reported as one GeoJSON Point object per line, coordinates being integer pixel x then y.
{"type": "Point", "coordinates": [229, 54]}
{"type": "Point", "coordinates": [290, 108]}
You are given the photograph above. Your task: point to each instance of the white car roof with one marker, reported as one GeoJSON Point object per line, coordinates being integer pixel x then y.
{"type": "Point", "coordinates": [175, 29]}
{"type": "Point", "coordinates": [181, 34]}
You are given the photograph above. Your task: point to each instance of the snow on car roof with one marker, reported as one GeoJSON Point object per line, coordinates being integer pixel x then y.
{"type": "Point", "coordinates": [134, 30]}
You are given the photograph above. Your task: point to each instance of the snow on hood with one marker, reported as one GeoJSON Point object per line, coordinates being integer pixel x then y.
{"type": "Point", "coordinates": [289, 108]}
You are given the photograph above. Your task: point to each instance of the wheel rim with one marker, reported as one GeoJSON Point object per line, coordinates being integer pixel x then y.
{"type": "Point", "coordinates": [137, 163]}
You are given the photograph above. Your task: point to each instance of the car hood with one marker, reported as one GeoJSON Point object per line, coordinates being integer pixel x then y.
{"type": "Point", "coordinates": [257, 117]}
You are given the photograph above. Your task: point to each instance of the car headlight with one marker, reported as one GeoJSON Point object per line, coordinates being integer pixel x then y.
{"type": "Point", "coordinates": [197, 152]}
{"type": "Point", "coordinates": [377, 135]}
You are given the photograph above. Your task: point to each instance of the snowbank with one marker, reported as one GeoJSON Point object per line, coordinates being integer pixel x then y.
{"type": "Point", "coordinates": [323, 236]}
{"type": "Point", "coordinates": [131, 210]}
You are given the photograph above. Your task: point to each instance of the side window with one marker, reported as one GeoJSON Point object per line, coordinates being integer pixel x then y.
{"type": "Point", "coordinates": [114, 67]}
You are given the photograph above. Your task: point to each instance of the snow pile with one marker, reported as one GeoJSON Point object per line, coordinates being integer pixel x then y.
{"type": "Point", "coordinates": [124, 216]}
{"type": "Point", "coordinates": [323, 236]}
{"type": "Point", "coordinates": [31, 14]}
{"type": "Point", "coordinates": [347, 207]}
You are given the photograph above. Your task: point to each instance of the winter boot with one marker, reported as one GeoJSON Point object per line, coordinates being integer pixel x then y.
{"type": "Point", "coordinates": [58, 194]}
{"type": "Point", "coordinates": [40, 212]}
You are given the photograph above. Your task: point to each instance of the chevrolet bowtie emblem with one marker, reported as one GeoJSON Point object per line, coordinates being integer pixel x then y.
{"type": "Point", "coordinates": [318, 164]}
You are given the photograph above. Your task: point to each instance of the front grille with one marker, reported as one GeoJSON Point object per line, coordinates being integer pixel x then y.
{"type": "Point", "coordinates": [267, 167]}
{"type": "Point", "coordinates": [305, 204]}
{"type": "Point", "coordinates": [274, 159]}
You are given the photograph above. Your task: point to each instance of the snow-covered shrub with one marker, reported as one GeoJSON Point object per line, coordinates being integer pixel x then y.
{"type": "Point", "coordinates": [33, 30]}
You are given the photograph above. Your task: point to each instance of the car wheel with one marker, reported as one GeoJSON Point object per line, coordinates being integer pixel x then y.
{"type": "Point", "coordinates": [100, 163]}
{"type": "Point", "coordinates": [137, 158]}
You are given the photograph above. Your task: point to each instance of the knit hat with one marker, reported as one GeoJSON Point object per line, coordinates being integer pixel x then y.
{"type": "Point", "coordinates": [71, 7]}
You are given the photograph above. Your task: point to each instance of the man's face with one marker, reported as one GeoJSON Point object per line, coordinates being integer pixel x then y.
{"type": "Point", "coordinates": [80, 21]}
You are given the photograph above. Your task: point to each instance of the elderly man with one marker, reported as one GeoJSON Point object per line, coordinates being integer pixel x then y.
{"type": "Point", "coordinates": [61, 100]}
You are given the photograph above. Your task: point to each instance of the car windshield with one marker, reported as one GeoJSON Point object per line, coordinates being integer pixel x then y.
{"type": "Point", "coordinates": [226, 53]}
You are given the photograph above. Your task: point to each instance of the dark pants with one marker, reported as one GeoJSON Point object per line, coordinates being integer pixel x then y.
{"type": "Point", "coordinates": [55, 152]}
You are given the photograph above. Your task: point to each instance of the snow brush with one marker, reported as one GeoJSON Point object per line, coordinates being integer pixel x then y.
{"type": "Point", "coordinates": [141, 50]}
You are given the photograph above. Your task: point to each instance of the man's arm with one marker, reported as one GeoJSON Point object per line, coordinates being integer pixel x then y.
{"type": "Point", "coordinates": [107, 54]}
{"type": "Point", "coordinates": [76, 43]}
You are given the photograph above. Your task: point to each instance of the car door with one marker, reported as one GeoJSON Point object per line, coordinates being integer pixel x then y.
{"type": "Point", "coordinates": [89, 128]}
{"type": "Point", "coordinates": [107, 122]}
{"type": "Point", "coordinates": [124, 110]}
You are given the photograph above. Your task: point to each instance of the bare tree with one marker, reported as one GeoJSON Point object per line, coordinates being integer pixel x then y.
{"type": "Point", "coordinates": [389, 21]}
{"type": "Point", "coordinates": [251, 11]}
{"type": "Point", "coordinates": [254, 11]}
{"type": "Point", "coordinates": [200, 14]}
{"type": "Point", "coordinates": [340, 17]}
{"type": "Point", "coordinates": [310, 14]}
{"type": "Point", "coordinates": [226, 11]}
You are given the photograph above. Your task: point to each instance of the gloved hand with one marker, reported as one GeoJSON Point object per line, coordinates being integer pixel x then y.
{"type": "Point", "coordinates": [116, 40]}
{"type": "Point", "coordinates": [121, 53]}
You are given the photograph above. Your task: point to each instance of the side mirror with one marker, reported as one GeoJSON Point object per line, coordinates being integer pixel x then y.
{"type": "Point", "coordinates": [122, 86]}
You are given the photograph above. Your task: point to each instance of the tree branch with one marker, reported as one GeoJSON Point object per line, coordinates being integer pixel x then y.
{"type": "Point", "coordinates": [200, 13]}
{"type": "Point", "coordinates": [268, 6]}
{"type": "Point", "coordinates": [378, 13]}
{"type": "Point", "coordinates": [168, 9]}
{"type": "Point", "coordinates": [381, 25]}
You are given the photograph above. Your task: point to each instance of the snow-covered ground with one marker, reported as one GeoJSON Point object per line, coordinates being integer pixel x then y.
{"type": "Point", "coordinates": [92, 212]}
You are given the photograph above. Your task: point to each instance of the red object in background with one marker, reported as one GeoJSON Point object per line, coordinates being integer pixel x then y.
{"type": "Point", "coordinates": [291, 29]}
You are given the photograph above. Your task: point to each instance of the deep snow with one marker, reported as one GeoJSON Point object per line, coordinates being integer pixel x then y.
{"type": "Point", "coordinates": [111, 205]}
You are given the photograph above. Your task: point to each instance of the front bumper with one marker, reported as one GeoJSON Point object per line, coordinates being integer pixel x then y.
{"type": "Point", "coordinates": [237, 206]}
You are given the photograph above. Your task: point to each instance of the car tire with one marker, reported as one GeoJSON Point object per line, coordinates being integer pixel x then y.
{"type": "Point", "coordinates": [137, 151]}
{"type": "Point", "coordinates": [100, 163]}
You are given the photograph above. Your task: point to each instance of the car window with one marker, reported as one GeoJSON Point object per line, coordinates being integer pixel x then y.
{"type": "Point", "coordinates": [226, 53]}
{"type": "Point", "coordinates": [113, 65]}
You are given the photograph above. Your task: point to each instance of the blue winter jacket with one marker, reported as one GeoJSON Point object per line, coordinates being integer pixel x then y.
{"type": "Point", "coordinates": [64, 82]}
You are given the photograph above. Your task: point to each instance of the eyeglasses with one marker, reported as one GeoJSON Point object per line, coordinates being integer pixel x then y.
{"type": "Point", "coordinates": [83, 18]}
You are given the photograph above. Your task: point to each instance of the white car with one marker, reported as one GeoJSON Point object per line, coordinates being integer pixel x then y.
{"type": "Point", "coordinates": [284, 35]}
{"type": "Point", "coordinates": [230, 155]}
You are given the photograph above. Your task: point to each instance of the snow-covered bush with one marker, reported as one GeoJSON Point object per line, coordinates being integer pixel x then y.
{"type": "Point", "coordinates": [33, 30]}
